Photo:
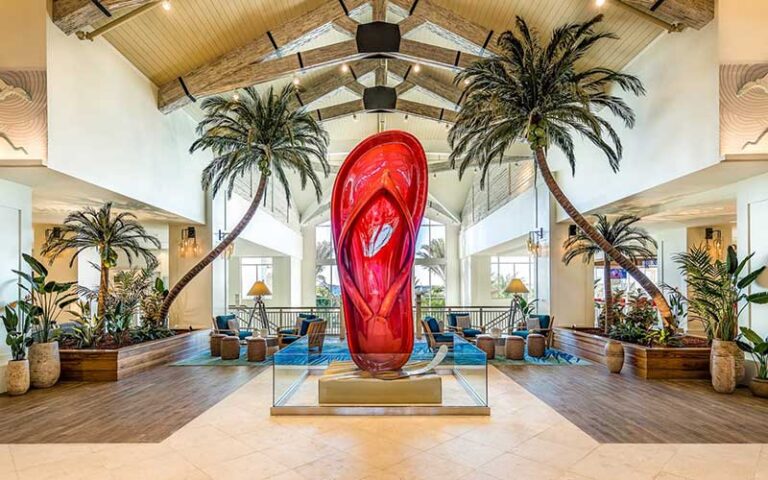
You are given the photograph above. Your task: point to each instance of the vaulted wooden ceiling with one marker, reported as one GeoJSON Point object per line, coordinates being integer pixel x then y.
{"type": "Point", "coordinates": [203, 47]}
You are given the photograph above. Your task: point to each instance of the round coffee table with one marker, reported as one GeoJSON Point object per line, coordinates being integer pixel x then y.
{"type": "Point", "coordinates": [216, 344]}
{"type": "Point", "coordinates": [257, 349]}
{"type": "Point", "coordinates": [487, 344]}
{"type": "Point", "coordinates": [230, 348]}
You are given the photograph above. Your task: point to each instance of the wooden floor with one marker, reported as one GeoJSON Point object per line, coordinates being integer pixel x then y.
{"type": "Point", "coordinates": [624, 409]}
{"type": "Point", "coordinates": [147, 407]}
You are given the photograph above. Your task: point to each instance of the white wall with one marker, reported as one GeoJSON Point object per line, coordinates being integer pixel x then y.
{"type": "Point", "coordinates": [105, 128]}
{"type": "Point", "coordinates": [752, 236]}
{"type": "Point", "coordinates": [264, 229]}
{"type": "Point", "coordinates": [16, 216]}
{"type": "Point", "coordinates": [677, 131]}
{"type": "Point", "coordinates": [742, 36]}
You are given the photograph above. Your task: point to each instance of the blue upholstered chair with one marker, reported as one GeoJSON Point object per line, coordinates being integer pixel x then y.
{"type": "Point", "coordinates": [287, 339]}
{"type": "Point", "coordinates": [466, 332]}
{"type": "Point", "coordinates": [546, 323]}
{"type": "Point", "coordinates": [435, 335]}
{"type": "Point", "coordinates": [230, 325]}
{"type": "Point", "coordinates": [299, 318]}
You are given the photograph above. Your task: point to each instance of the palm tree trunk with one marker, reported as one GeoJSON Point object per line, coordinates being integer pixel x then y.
{"type": "Point", "coordinates": [608, 305]}
{"type": "Point", "coordinates": [101, 299]}
{"type": "Point", "coordinates": [589, 230]}
{"type": "Point", "coordinates": [208, 259]}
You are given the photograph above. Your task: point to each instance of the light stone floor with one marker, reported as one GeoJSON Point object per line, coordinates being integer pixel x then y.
{"type": "Point", "coordinates": [523, 439]}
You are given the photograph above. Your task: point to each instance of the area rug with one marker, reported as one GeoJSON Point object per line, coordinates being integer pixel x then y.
{"type": "Point", "coordinates": [551, 357]}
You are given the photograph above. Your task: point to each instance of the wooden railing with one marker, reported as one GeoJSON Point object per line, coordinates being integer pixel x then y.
{"type": "Point", "coordinates": [285, 317]}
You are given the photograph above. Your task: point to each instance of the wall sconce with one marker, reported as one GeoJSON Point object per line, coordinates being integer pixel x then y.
{"type": "Point", "coordinates": [714, 240]}
{"type": "Point", "coordinates": [188, 246]}
{"type": "Point", "coordinates": [534, 247]}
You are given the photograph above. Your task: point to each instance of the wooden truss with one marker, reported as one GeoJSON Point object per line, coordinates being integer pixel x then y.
{"type": "Point", "coordinates": [270, 56]}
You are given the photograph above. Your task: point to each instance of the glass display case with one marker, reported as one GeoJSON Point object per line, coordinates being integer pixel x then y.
{"type": "Point", "coordinates": [324, 381]}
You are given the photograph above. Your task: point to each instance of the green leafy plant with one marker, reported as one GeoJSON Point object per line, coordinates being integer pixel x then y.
{"type": "Point", "coordinates": [109, 234]}
{"type": "Point", "coordinates": [628, 332]}
{"type": "Point", "coordinates": [152, 302]}
{"type": "Point", "coordinates": [629, 240]}
{"type": "Point", "coordinates": [718, 290]}
{"type": "Point", "coordinates": [757, 347]}
{"type": "Point", "coordinates": [269, 133]}
{"type": "Point", "coordinates": [87, 330]}
{"type": "Point", "coordinates": [148, 332]}
{"type": "Point", "coordinates": [538, 92]}
{"type": "Point", "coordinates": [46, 299]}
{"type": "Point", "coordinates": [117, 323]}
{"type": "Point", "coordinates": [663, 336]}
{"type": "Point", "coordinates": [17, 326]}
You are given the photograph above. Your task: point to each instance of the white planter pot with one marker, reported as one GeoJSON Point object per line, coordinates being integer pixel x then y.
{"type": "Point", "coordinates": [44, 364]}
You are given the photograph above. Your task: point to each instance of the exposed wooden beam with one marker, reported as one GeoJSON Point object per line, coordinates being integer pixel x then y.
{"type": "Point", "coordinates": [434, 55]}
{"type": "Point", "coordinates": [333, 79]}
{"type": "Point", "coordinates": [429, 10]}
{"type": "Point", "coordinates": [340, 110]}
{"type": "Point", "coordinates": [211, 81]}
{"type": "Point", "coordinates": [73, 15]}
{"type": "Point", "coordinates": [172, 94]}
{"type": "Point", "coordinates": [427, 80]}
{"type": "Point", "coordinates": [379, 10]}
{"type": "Point", "coordinates": [426, 111]}
{"type": "Point", "coordinates": [346, 25]}
{"type": "Point", "coordinates": [690, 13]}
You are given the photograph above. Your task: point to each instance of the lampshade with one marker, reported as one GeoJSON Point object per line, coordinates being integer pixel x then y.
{"type": "Point", "coordinates": [259, 289]}
{"type": "Point", "coordinates": [516, 286]}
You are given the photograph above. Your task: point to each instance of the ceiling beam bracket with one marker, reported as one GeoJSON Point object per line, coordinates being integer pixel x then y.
{"type": "Point", "coordinates": [186, 90]}
{"type": "Point", "coordinates": [101, 7]}
{"type": "Point", "coordinates": [379, 99]}
{"type": "Point", "coordinates": [378, 37]}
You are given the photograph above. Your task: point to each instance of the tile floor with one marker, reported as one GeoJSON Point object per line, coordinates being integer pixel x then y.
{"type": "Point", "coordinates": [523, 439]}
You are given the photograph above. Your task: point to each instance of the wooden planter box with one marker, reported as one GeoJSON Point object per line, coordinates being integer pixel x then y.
{"type": "Point", "coordinates": [112, 365]}
{"type": "Point", "coordinates": [641, 361]}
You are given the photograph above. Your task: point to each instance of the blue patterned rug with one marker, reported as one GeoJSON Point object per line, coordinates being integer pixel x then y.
{"type": "Point", "coordinates": [336, 350]}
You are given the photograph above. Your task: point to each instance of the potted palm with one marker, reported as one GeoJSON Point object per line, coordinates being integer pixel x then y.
{"type": "Point", "coordinates": [631, 241]}
{"type": "Point", "coordinates": [537, 93]}
{"type": "Point", "coordinates": [718, 295]}
{"type": "Point", "coordinates": [758, 348]}
{"type": "Point", "coordinates": [264, 132]}
{"type": "Point", "coordinates": [45, 300]}
{"type": "Point", "coordinates": [109, 234]}
{"type": "Point", "coordinates": [17, 327]}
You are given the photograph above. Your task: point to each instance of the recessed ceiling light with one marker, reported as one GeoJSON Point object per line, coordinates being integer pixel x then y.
{"type": "Point", "coordinates": [236, 97]}
{"type": "Point", "coordinates": [296, 80]}
{"type": "Point", "coordinates": [166, 5]}
{"type": "Point", "coordinates": [466, 81]}
{"type": "Point", "coordinates": [417, 68]}
{"type": "Point", "coordinates": [344, 67]}
{"type": "Point", "coordinates": [406, 117]}
{"type": "Point", "coordinates": [599, 3]}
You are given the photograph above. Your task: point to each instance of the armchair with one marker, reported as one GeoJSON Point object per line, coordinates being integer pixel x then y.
{"type": "Point", "coordinates": [285, 339]}
{"type": "Point", "coordinates": [230, 325]}
{"type": "Point", "coordinates": [460, 323]}
{"type": "Point", "coordinates": [299, 318]}
{"type": "Point", "coordinates": [541, 324]}
{"type": "Point", "coordinates": [435, 336]}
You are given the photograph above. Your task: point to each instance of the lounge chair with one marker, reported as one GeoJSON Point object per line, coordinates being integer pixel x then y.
{"type": "Point", "coordinates": [297, 326]}
{"type": "Point", "coordinates": [544, 327]}
{"type": "Point", "coordinates": [459, 322]}
{"type": "Point", "coordinates": [435, 336]}
{"type": "Point", "coordinates": [283, 339]}
{"type": "Point", "coordinates": [230, 325]}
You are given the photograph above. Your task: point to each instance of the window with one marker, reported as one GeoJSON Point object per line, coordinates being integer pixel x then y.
{"type": "Point", "coordinates": [253, 269]}
{"type": "Point", "coordinates": [428, 273]}
{"type": "Point", "coordinates": [504, 269]}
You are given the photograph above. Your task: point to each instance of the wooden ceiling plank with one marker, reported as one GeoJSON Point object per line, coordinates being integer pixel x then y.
{"type": "Point", "coordinates": [172, 94]}
{"type": "Point", "coordinates": [332, 80]}
{"type": "Point", "coordinates": [73, 15]}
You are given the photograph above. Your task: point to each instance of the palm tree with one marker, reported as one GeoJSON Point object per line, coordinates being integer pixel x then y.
{"type": "Point", "coordinates": [631, 241]}
{"type": "Point", "coordinates": [537, 93]}
{"type": "Point", "coordinates": [108, 234]}
{"type": "Point", "coordinates": [263, 132]}
{"type": "Point", "coordinates": [323, 251]}
{"type": "Point", "coordinates": [434, 250]}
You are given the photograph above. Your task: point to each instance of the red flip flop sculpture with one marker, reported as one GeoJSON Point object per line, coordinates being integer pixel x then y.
{"type": "Point", "coordinates": [376, 209]}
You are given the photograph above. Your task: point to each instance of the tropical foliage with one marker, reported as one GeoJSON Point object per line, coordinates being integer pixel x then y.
{"type": "Point", "coordinates": [44, 300]}
{"type": "Point", "coordinates": [536, 92]}
{"type": "Point", "coordinates": [718, 289]}
{"type": "Point", "coordinates": [267, 133]}
{"type": "Point", "coordinates": [757, 347]}
{"type": "Point", "coordinates": [631, 241]}
{"type": "Point", "coordinates": [434, 254]}
{"type": "Point", "coordinates": [17, 327]}
{"type": "Point", "coordinates": [107, 232]}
